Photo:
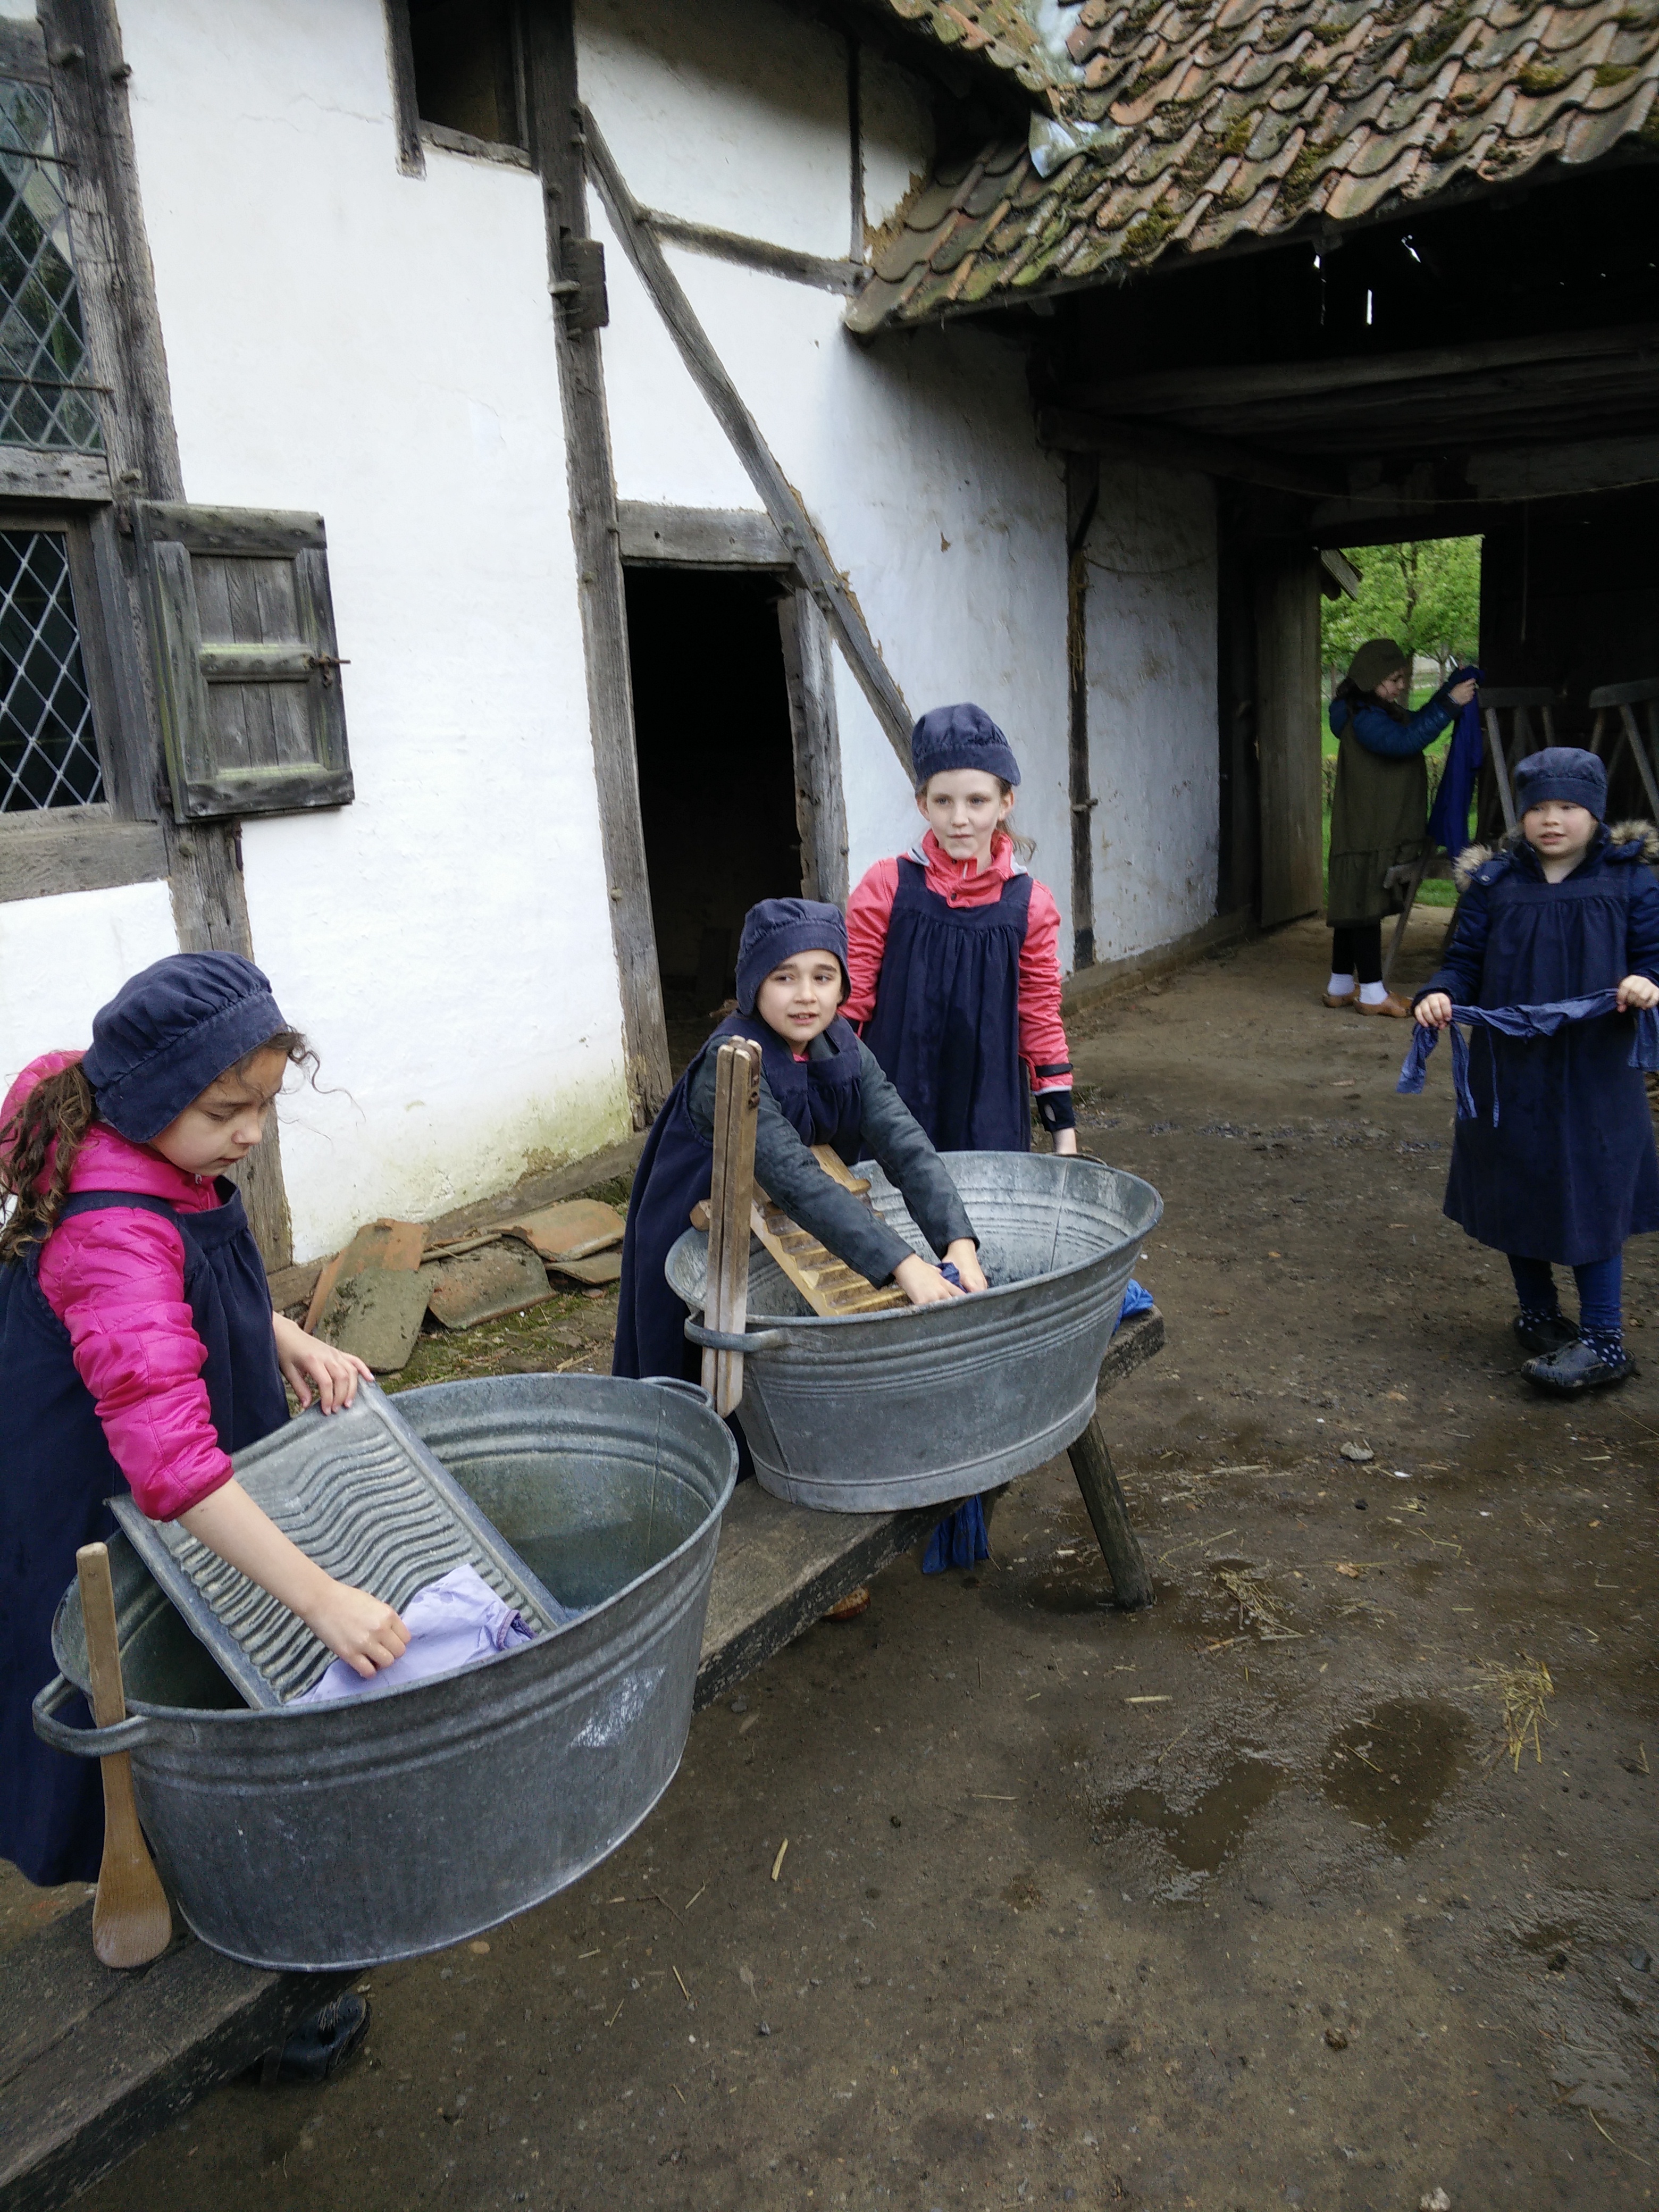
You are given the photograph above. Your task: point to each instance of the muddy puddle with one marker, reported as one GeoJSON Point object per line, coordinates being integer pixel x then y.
{"type": "Point", "coordinates": [1201, 1836]}
{"type": "Point", "coordinates": [1390, 1770]}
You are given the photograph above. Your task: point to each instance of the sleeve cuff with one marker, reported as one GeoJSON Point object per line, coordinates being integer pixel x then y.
{"type": "Point", "coordinates": [1056, 1110]}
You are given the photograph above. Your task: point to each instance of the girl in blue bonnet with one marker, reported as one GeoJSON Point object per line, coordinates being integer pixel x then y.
{"type": "Point", "coordinates": [819, 1084]}
{"type": "Point", "coordinates": [138, 1351]}
{"type": "Point", "coordinates": [955, 954]}
{"type": "Point", "coordinates": [1557, 1161]}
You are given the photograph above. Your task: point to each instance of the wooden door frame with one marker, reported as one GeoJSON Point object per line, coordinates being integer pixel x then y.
{"type": "Point", "coordinates": [735, 541]}
{"type": "Point", "coordinates": [1286, 577]}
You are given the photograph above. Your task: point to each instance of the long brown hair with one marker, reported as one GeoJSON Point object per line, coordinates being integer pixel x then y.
{"type": "Point", "coordinates": [59, 1111]}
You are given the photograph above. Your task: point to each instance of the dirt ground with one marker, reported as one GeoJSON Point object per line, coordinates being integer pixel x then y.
{"type": "Point", "coordinates": [1234, 1904]}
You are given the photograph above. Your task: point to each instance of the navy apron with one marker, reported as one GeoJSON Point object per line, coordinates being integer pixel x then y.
{"type": "Point", "coordinates": [946, 1026]}
{"type": "Point", "coordinates": [822, 1101]}
{"type": "Point", "coordinates": [56, 1472]}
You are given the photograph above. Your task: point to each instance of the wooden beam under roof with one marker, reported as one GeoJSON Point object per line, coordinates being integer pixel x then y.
{"type": "Point", "coordinates": [1177, 391]}
{"type": "Point", "coordinates": [1068, 430]}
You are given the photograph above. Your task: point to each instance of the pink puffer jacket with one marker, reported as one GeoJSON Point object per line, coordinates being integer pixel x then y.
{"type": "Point", "coordinates": [116, 1280]}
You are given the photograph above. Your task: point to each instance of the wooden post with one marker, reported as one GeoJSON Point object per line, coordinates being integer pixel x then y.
{"type": "Point", "coordinates": [820, 807]}
{"type": "Point", "coordinates": [1287, 719]}
{"type": "Point", "coordinates": [725, 1306]}
{"type": "Point", "coordinates": [556, 145]}
{"type": "Point", "coordinates": [1092, 1463]}
{"type": "Point", "coordinates": [1082, 498]}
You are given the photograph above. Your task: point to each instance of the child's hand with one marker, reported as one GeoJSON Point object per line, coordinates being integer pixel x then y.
{"type": "Point", "coordinates": [1066, 1141]}
{"type": "Point", "coordinates": [1637, 993]}
{"type": "Point", "coordinates": [921, 1283]}
{"type": "Point", "coordinates": [306, 1359]}
{"type": "Point", "coordinates": [1461, 694]}
{"type": "Point", "coordinates": [362, 1629]}
{"type": "Point", "coordinates": [964, 1257]}
{"type": "Point", "coordinates": [1434, 1012]}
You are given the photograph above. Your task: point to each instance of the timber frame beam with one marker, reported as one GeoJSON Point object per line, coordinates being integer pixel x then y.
{"type": "Point", "coordinates": [556, 125]}
{"type": "Point", "coordinates": [806, 551]}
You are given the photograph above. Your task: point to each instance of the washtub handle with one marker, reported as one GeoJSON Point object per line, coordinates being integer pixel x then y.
{"type": "Point", "coordinates": [679, 1382]}
{"type": "Point", "coordinates": [129, 1735]}
{"type": "Point", "coordinates": [717, 1339]}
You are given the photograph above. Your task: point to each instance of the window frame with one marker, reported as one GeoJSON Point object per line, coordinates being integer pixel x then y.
{"type": "Point", "coordinates": [119, 839]}
{"type": "Point", "coordinates": [116, 840]}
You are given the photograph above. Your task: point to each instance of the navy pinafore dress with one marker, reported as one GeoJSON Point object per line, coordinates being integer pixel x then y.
{"type": "Point", "coordinates": [822, 1101]}
{"type": "Point", "coordinates": [57, 1471]}
{"type": "Point", "coordinates": [1559, 1161]}
{"type": "Point", "coordinates": [946, 1026]}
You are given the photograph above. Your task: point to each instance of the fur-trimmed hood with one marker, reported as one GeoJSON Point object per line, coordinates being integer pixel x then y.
{"type": "Point", "coordinates": [1625, 842]}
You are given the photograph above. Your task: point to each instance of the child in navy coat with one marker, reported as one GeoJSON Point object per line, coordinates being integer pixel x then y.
{"type": "Point", "coordinates": [819, 1085]}
{"type": "Point", "coordinates": [1557, 1162]}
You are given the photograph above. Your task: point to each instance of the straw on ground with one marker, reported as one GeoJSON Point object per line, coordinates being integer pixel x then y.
{"type": "Point", "coordinates": [1525, 1691]}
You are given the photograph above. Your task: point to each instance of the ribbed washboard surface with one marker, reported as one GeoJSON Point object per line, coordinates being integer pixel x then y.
{"type": "Point", "coordinates": [361, 1494]}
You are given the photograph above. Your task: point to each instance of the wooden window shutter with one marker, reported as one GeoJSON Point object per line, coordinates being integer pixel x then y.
{"type": "Point", "coordinates": [246, 668]}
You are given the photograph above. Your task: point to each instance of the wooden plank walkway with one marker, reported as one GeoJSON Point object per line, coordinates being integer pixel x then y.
{"type": "Point", "coordinates": [93, 2063]}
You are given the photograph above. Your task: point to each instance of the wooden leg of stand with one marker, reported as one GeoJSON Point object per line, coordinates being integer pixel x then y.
{"type": "Point", "coordinates": [1092, 1463]}
{"type": "Point", "coordinates": [1408, 901]}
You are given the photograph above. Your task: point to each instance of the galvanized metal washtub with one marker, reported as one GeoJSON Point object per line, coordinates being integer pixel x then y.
{"type": "Point", "coordinates": [924, 1404]}
{"type": "Point", "coordinates": [348, 1834]}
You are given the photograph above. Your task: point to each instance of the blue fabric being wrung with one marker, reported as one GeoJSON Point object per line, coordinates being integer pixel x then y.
{"type": "Point", "coordinates": [1448, 820]}
{"type": "Point", "coordinates": [962, 1540]}
{"type": "Point", "coordinates": [1541, 1021]}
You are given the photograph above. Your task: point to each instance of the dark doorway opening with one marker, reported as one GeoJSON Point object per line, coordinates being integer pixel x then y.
{"type": "Point", "coordinates": [717, 777]}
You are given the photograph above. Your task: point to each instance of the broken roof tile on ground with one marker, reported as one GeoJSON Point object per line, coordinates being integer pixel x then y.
{"type": "Point", "coordinates": [1201, 122]}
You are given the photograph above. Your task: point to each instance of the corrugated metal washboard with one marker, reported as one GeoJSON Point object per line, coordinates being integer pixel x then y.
{"type": "Point", "coordinates": [361, 1494]}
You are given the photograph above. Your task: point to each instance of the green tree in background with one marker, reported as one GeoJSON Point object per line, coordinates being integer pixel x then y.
{"type": "Point", "coordinates": [1426, 595]}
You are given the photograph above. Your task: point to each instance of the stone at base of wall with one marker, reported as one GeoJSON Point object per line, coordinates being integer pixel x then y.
{"type": "Point", "coordinates": [1087, 986]}
{"type": "Point", "coordinates": [292, 1286]}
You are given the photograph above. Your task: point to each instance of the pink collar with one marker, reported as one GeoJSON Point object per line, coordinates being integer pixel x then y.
{"type": "Point", "coordinates": [962, 883]}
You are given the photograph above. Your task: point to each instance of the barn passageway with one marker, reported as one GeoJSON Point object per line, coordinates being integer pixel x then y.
{"type": "Point", "coordinates": [1233, 1903]}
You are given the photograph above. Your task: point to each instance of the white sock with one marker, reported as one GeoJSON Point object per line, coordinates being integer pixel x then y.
{"type": "Point", "coordinates": [1339, 987]}
{"type": "Point", "coordinates": [1371, 994]}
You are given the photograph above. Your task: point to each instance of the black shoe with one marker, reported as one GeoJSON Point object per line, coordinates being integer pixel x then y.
{"type": "Point", "coordinates": [321, 2046]}
{"type": "Point", "coordinates": [1551, 1335]}
{"type": "Point", "coordinates": [1578, 1367]}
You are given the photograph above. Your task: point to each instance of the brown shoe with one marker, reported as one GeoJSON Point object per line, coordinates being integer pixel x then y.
{"type": "Point", "coordinates": [1389, 1005]}
{"type": "Point", "coordinates": [850, 1606]}
{"type": "Point", "coordinates": [1341, 999]}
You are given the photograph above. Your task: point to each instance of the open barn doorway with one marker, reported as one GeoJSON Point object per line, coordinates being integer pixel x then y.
{"type": "Point", "coordinates": [1426, 594]}
{"type": "Point", "coordinates": [717, 777]}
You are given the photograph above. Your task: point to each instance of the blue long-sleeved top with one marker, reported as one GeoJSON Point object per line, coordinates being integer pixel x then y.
{"type": "Point", "coordinates": [1379, 733]}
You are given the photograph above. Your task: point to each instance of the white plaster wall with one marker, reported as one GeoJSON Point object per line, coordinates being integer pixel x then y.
{"type": "Point", "coordinates": [1152, 752]}
{"type": "Point", "coordinates": [915, 457]}
{"type": "Point", "coordinates": [716, 111]}
{"type": "Point", "coordinates": [61, 958]}
{"type": "Point", "coordinates": [380, 349]}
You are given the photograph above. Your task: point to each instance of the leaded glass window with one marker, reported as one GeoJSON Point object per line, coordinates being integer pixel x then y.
{"type": "Point", "coordinates": [46, 397]}
{"type": "Point", "coordinates": [48, 752]}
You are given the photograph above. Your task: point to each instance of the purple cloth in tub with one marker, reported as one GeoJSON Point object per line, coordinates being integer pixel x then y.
{"type": "Point", "coordinates": [451, 1624]}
